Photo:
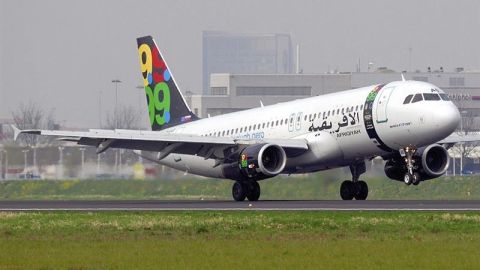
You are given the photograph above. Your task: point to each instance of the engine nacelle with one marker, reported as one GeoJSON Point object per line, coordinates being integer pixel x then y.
{"type": "Point", "coordinates": [430, 162]}
{"type": "Point", "coordinates": [257, 162]}
{"type": "Point", "coordinates": [434, 161]}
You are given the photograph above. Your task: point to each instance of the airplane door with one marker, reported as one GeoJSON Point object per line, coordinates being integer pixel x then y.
{"type": "Point", "coordinates": [291, 124]}
{"type": "Point", "coordinates": [298, 123]}
{"type": "Point", "coordinates": [382, 103]}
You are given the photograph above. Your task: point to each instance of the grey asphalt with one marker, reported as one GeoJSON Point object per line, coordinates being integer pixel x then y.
{"type": "Point", "coordinates": [142, 205]}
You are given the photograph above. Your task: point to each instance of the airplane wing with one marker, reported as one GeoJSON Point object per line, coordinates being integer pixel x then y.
{"type": "Point", "coordinates": [165, 143]}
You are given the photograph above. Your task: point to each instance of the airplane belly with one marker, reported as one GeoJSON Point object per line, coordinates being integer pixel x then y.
{"type": "Point", "coordinates": [193, 164]}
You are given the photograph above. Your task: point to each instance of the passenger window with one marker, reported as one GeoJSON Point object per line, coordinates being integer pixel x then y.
{"type": "Point", "coordinates": [445, 97]}
{"type": "Point", "coordinates": [431, 96]}
{"type": "Point", "coordinates": [417, 98]}
{"type": "Point", "coordinates": [276, 123]}
{"type": "Point", "coordinates": [408, 99]}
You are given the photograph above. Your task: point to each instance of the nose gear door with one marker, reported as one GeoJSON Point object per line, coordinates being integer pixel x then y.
{"type": "Point", "coordinates": [382, 102]}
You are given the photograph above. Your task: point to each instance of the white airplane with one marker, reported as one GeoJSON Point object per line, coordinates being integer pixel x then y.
{"type": "Point", "coordinates": [404, 122]}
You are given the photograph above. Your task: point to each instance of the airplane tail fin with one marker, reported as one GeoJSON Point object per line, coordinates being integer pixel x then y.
{"type": "Point", "coordinates": [166, 105]}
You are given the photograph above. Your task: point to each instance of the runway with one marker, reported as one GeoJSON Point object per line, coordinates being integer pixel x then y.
{"type": "Point", "coordinates": [167, 205]}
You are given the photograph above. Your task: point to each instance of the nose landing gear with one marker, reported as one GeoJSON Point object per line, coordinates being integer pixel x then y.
{"type": "Point", "coordinates": [355, 188]}
{"type": "Point", "coordinates": [410, 177]}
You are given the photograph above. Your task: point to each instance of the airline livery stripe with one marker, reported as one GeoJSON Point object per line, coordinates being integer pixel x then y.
{"type": "Point", "coordinates": [368, 119]}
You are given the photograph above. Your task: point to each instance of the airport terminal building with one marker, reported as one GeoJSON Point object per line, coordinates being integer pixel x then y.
{"type": "Point", "coordinates": [235, 92]}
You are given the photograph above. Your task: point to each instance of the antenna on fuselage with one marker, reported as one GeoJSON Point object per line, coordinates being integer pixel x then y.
{"type": "Point", "coordinates": [403, 78]}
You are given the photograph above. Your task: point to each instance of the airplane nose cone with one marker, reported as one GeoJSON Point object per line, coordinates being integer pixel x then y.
{"type": "Point", "coordinates": [448, 119]}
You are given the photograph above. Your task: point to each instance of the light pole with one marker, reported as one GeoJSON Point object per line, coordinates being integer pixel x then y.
{"type": "Point", "coordinates": [462, 145]}
{"type": "Point", "coordinates": [100, 108]}
{"type": "Point", "coordinates": [25, 151]}
{"type": "Point", "coordinates": [60, 161]}
{"type": "Point", "coordinates": [34, 150]}
{"type": "Point", "coordinates": [83, 162]}
{"type": "Point", "coordinates": [116, 82]}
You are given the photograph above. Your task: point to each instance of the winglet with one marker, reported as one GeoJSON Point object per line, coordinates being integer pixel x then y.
{"type": "Point", "coordinates": [403, 78]}
{"type": "Point", "coordinates": [16, 132]}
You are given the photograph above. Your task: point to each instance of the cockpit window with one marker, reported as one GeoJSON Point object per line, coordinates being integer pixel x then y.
{"type": "Point", "coordinates": [408, 99]}
{"type": "Point", "coordinates": [445, 97]}
{"type": "Point", "coordinates": [417, 98]}
{"type": "Point", "coordinates": [431, 96]}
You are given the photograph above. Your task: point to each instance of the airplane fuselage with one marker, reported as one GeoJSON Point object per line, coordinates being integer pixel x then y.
{"type": "Point", "coordinates": [340, 128]}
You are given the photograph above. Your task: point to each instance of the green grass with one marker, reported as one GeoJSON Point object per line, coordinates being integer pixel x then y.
{"type": "Point", "coordinates": [316, 186]}
{"type": "Point", "coordinates": [239, 240]}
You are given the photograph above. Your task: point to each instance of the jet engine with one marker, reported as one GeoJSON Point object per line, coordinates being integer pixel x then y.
{"type": "Point", "coordinates": [257, 162]}
{"type": "Point", "coordinates": [430, 162]}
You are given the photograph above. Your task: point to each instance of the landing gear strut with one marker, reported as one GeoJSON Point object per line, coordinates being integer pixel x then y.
{"type": "Point", "coordinates": [242, 190]}
{"type": "Point", "coordinates": [410, 177]}
{"type": "Point", "coordinates": [355, 188]}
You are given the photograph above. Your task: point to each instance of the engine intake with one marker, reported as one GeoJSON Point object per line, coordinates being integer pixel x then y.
{"type": "Point", "coordinates": [435, 160]}
{"type": "Point", "coordinates": [262, 160]}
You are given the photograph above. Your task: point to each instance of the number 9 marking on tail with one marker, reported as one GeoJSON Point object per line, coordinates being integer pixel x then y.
{"type": "Point", "coordinates": [145, 54]}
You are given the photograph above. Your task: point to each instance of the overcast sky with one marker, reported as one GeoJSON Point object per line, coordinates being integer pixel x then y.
{"type": "Point", "coordinates": [63, 54]}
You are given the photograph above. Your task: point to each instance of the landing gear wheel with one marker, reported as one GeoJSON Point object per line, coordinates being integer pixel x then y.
{"type": "Point", "coordinates": [239, 191]}
{"type": "Point", "coordinates": [254, 191]}
{"type": "Point", "coordinates": [408, 179]}
{"type": "Point", "coordinates": [416, 179]}
{"type": "Point", "coordinates": [361, 189]}
{"type": "Point", "coordinates": [347, 190]}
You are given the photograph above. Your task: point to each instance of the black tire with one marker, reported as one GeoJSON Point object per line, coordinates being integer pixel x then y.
{"type": "Point", "coordinates": [362, 191]}
{"type": "Point", "coordinates": [347, 190]}
{"type": "Point", "coordinates": [254, 191]}
{"type": "Point", "coordinates": [408, 179]}
{"type": "Point", "coordinates": [239, 192]}
{"type": "Point", "coordinates": [416, 179]}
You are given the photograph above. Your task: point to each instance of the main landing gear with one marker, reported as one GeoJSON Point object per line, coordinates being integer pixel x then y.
{"type": "Point", "coordinates": [355, 188]}
{"type": "Point", "coordinates": [410, 177]}
{"type": "Point", "coordinates": [246, 189]}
